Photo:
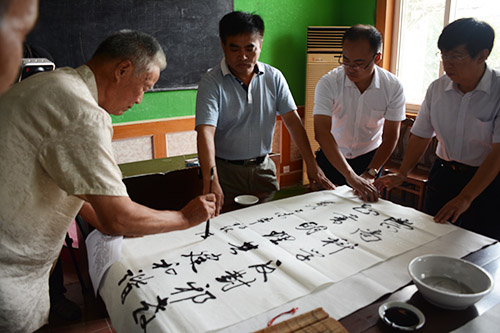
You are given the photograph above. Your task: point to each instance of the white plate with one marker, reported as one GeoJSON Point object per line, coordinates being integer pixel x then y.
{"type": "Point", "coordinates": [246, 199]}
{"type": "Point", "coordinates": [405, 316]}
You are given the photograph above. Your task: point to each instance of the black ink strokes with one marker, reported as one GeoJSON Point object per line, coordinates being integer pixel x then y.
{"type": "Point", "coordinates": [340, 244]}
{"type": "Point", "coordinates": [369, 236]}
{"type": "Point", "coordinates": [135, 281]}
{"type": "Point", "coordinates": [149, 309]}
{"type": "Point", "coordinates": [279, 236]}
{"type": "Point", "coordinates": [231, 227]}
{"type": "Point", "coordinates": [199, 258]}
{"type": "Point", "coordinates": [265, 269]}
{"type": "Point", "coordinates": [308, 254]}
{"type": "Point", "coordinates": [366, 209]}
{"type": "Point", "coordinates": [310, 227]}
{"type": "Point", "coordinates": [246, 246]}
{"type": "Point", "coordinates": [320, 204]}
{"type": "Point", "coordinates": [163, 264]}
{"type": "Point", "coordinates": [233, 280]}
{"type": "Point", "coordinates": [339, 218]}
{"type": "Point", "coordinates": [197, 295]}
{"type": "Point", "coordinates": [395, 224]}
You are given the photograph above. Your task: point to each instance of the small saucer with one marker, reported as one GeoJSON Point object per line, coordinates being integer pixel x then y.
{"type": "Point", "coordinates": [402, 316]}
{"type": "Point", "coordinates": [246, 200]}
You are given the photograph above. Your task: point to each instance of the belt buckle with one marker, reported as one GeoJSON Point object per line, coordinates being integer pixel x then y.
{"type": "Point", "coordinates": [249, 161]}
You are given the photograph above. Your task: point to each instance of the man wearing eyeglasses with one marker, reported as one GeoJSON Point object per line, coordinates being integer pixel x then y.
{"type": "Point", "coordinates": [462, 108]}
{"type": "Point", "coordinates": [358, 108]}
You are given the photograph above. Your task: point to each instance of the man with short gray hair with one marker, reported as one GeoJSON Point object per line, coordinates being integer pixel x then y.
{"type": "Point", "coordinates": [56, 154]}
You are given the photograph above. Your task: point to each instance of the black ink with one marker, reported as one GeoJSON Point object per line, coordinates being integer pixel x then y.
{"type": "Point", "coordinates": [341, 218]}
{"type": "Point", "coordinates": [143, 321]}
{"type": "Point", "coordinates": [163, 264]}
{"type": "Point", "coordinates": [135, 281]}
{"type": "Point", "coordinates": [233, 279]}
{"type": "Point", "coordinates": [341, 243]}
{"type": "Point", "coordinates": [277, 237]}
{"type": "Point", "coordinates": [264, 269]}
{"type": "Point", "coordinates": [394, 224]}
{"type": "Point", "coordinates": [366, 209]}
{"type": "Point", "coordinates": [320, 204]}
{"type": "Point", "coordinates": [310, 227]}
{"type": "Point", "coordinates": [262, 220]}
{"type": "Point", "coordinates": [247, 246]}
{"type": "Point", "coordinates": [198, 259]}
{"type": "Point", "coordinates": [197, 299]}
{"type": "Point", "coordinates": [237, 225]}
{"type": "Point", "coordinates": [369, 236]}
{"type": "Point", "coordinates": [309, 254]}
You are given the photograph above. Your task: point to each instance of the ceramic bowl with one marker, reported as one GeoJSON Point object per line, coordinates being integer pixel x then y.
{"type": "Point", "coordinates": [449, 282]}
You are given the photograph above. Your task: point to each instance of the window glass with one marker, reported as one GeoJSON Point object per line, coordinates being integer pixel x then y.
{"type": "Point", "coordinates": [421, 23]}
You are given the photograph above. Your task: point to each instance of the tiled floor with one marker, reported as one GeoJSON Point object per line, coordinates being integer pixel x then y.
{"type": "Point", "coordinates": [94, 315]}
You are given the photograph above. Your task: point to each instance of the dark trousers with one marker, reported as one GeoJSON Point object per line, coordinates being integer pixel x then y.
{"type": "Point", "coordinates": [446, 182]}
{"type": "Point", "coordinates": [56, 282]}
{"type": "Point", "coordinates": [358, 164]}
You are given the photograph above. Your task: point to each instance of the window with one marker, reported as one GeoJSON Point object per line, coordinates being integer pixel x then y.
{"type": "Point", "coordinates": [417, 26]}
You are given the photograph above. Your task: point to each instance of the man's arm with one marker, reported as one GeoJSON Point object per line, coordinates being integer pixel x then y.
{"type": "Point", "coordinates": [363, 187]}
{"type": "Point", "coordinates": [206, 155]}
{"type": "Point", "coordinates": [296, 129]}
{"type": "Point", "coordinates": [118, 215]}
{"type": "Point", "coordinates": [415, 149]}
{"type": "Point", "coordinates": [482, 178]}
{"type": "Point", "coordinates": [390, 137]}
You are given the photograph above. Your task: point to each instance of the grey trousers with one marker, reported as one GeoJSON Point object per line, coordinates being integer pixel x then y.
{"type": "Point", "coordinates": [246, 179]}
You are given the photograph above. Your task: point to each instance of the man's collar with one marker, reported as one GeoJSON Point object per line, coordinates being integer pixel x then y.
{"type": "Point", "coordinates": [375, 83]}
{"type": "Point", "coordinates": [258, 69]}
{"type": "Point", "coordinates": [484, 84]}
{"type": "Point", "coordinates": [89, 79]}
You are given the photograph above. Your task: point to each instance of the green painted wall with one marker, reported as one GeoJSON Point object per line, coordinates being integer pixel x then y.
{"type": "Point", "coordinates": [284, 47]}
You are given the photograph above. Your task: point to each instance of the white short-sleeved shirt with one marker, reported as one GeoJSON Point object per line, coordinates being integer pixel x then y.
{"type": "Point", "coordinates": [56, 143]}
{"type": "Point", "coordinates": [358, 119]}
{"type": "Point", "coordinates": [466, 125]}
{"type": "Point", "coordinates": [244, 119]}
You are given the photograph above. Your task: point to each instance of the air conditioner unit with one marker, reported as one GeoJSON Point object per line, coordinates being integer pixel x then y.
{"type": "Point", "coordinates": [324, 46]}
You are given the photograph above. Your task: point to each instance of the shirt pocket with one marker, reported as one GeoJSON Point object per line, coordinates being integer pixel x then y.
{"type": "Point", "coordinates": [375, 119]}
{"type": "Point", "coordinates": [480, 131]}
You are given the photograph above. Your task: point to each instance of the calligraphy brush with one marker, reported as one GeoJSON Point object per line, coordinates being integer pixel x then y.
{"type": "Point", "coordinates": [207, 226]}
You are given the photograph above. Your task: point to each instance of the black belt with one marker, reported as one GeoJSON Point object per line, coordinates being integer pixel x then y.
{"type": "Point", "coordinates": [456, 166]}
{"type": "Point", "coordinates": [250, 161]}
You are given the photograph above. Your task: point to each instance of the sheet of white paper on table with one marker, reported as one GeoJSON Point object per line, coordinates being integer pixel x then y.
{"type": "Point", "coordinates": [318, 238]}
{"type": "Point", "coordinates": [102, 252]}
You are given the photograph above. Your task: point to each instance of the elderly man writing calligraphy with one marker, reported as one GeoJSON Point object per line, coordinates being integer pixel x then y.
{"type": "Point", "coordinates": [56, 154]}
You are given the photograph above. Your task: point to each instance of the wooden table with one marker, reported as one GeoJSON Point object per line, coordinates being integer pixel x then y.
{"type": "Point", "coordinates": [436, 319]}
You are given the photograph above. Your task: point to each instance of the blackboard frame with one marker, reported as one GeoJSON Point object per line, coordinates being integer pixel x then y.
{"type": "Point", "coordinates": [71, 30]}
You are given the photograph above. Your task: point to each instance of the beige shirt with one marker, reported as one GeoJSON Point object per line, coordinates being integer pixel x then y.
{"type": "Point", "coordinates": [55, 144]}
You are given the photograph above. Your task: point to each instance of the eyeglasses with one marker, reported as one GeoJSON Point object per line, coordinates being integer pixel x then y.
{"type": "Point", "coordinates": [355, 67]}
{"type": "Point", "coordinates": [452, 58]}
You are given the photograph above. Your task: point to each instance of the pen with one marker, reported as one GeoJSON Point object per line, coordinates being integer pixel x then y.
{"type": "Point", "coordinates": [207, 226]}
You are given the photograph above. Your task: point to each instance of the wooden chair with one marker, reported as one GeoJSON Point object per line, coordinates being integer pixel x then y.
{"type": "Point", "coordinates": [416, 182]}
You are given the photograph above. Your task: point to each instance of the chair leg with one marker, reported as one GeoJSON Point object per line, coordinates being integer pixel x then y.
{"type": "Point", "coordinates": [69, 243]}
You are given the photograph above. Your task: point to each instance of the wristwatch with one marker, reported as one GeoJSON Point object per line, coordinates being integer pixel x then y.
{"type": "Point", "coordinates": [372, 172]}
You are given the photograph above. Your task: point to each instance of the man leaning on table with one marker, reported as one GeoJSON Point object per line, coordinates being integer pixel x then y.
{"type": "Point", "coordinates": [358, 109]}
{"type": "Point", "coordinates": [462, 108]}
{"type": "Point", "coordinates": [56, 154]}
{"type": "Point", "coordinates": [236, 109]}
